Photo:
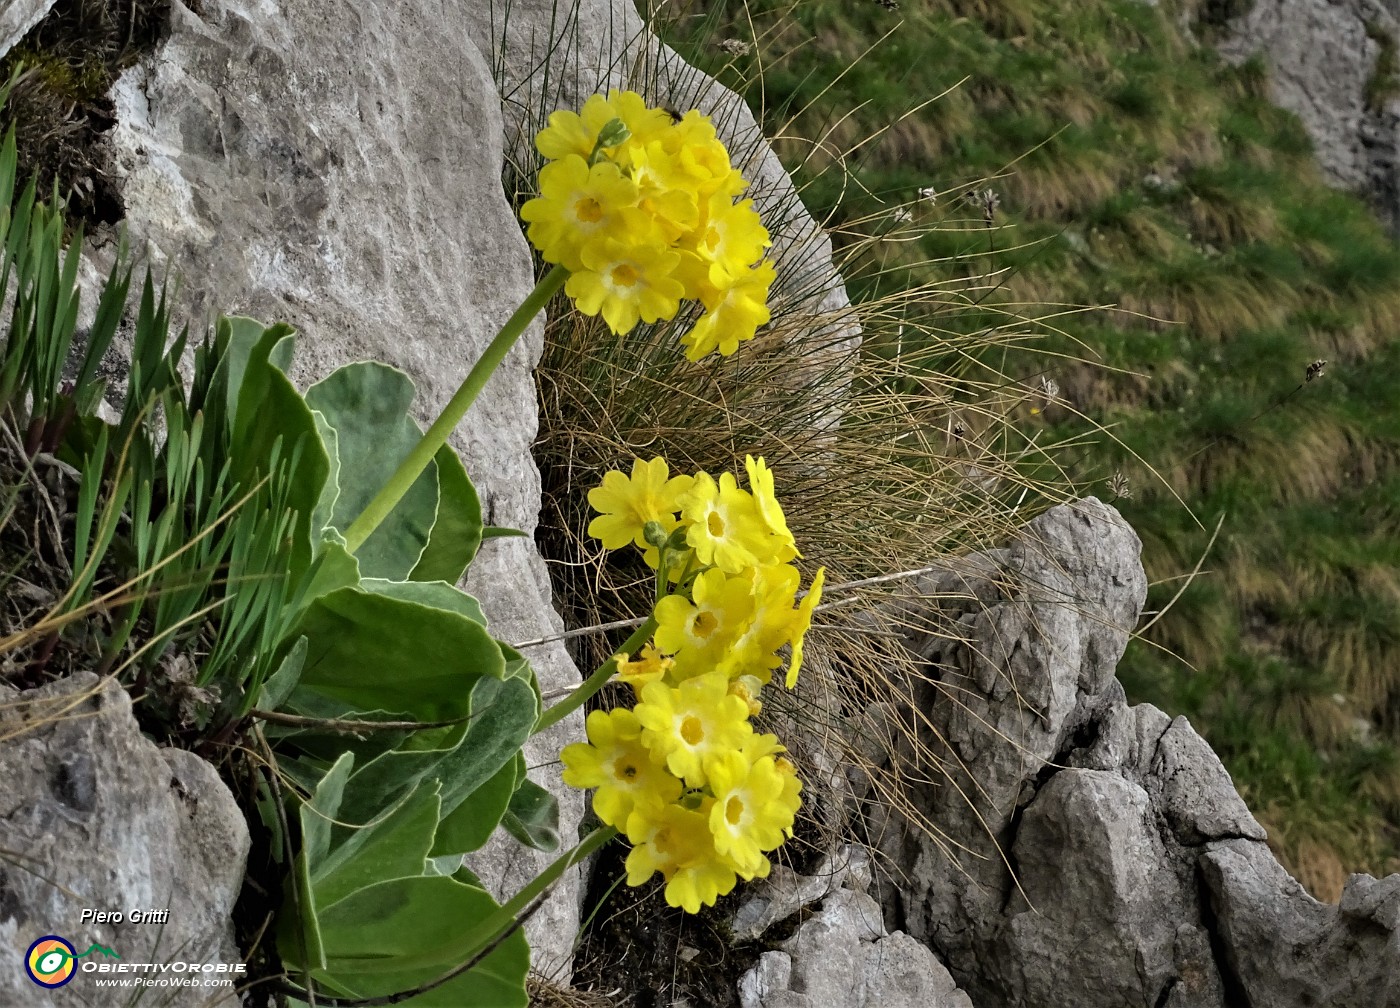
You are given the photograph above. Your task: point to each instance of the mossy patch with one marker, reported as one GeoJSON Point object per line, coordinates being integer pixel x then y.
{"type": "Point", "coordinates": [59, 106]}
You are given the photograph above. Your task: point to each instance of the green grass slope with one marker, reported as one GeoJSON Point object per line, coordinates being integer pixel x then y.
{"type": "Point", "coordinates": [1133, 168]}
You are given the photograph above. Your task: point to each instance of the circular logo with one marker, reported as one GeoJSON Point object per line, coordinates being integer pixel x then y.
{"type": "Point", "coordinates": [49, 961]}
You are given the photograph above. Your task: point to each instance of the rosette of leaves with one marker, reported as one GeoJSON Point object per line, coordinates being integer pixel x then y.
{"type": "Point", "coordinates": [224, 524]}
{"type": "Point", "coordinates": [384, 635]}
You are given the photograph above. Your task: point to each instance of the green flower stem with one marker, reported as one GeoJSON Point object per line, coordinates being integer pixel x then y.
{"type": "Point", "coordinates": [511, 911]}
{"type": "Point", "coordinates": [594, 683]}
{"type": "Point", "coordinates": [663, 573]}
{"type": "Point", "coordinates": [436, 436]}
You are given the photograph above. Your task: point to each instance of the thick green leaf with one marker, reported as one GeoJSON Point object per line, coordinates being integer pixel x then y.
{"type": "Point", "coordinates": [491, 984]}
{"type": "Point", "coordinates": [457, 530]}
{"type": "Point", "coordinates": [395, 845]}
{"type": "Point", "coordinates": [404, 933]}
{"type": "Point", "coordinates": [435, 594]}
{"type": "Point", "coordinates": [386, 777]}
{"type": "Point", "coordinates": [404, 924]}
{"type": "Point", "coordinates": [399, 934]}
{"type": "Point", "coordinates": [299, 933]}
{"type": "Point", "coordinates": [280, 684]}
{"type": "Point", "coordinates": [367, 404]}
{"type": "Point", "coordinates": [533, 817]}
{"type": "Point", "coordinates": [471, 824]}
{"type": "Point", "coordinates": [237, 336]}
{"type": "Point", "coordinates": [299, 936]}
{"type": "Point", "coordinates": [372, 651]}
{"type": "Point", "coordinates": [318, 814]}
{"type": "Point", "coordinates": [332, 569]}
{"type": "Point", "coordinates": [517, 667]}
{"type": "Point", "coordinates": [272, 419]}
{"type": "Point", "coordinates": [503, 715]}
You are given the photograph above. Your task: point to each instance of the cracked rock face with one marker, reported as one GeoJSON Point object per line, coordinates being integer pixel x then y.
{"type": "Point", "coordinates": [93, 816]}
{"type": "Point", "coordinates": [1109, 859]}
{"type": "Point", "coordinates": [1322, 57]}
{"type": "Point", "coordinates": [842, 955]}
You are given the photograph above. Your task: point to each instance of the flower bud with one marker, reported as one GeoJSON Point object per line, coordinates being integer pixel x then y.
{"type": "Point", "coordinates": [614, 132]}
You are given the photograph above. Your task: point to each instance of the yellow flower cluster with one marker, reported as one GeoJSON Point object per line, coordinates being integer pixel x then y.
{"type": "Point", "coordinates": [699, 793]}
{"type": "Point", "coordinates": [640, 208]}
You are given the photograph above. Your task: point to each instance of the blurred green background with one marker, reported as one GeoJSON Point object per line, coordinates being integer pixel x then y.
{"type": "Point", "coordinates": [1133, 168]}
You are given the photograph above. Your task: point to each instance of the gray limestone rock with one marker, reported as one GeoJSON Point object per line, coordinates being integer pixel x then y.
{"type": "Point", "coordinates": [1322, 57]}
{"type": "Point", "coordinates": [1108, 859]}
{"type": "Point", "coordinates": [843, 957]}
{"type": "Point", "coordinates": [1093, 920]}
{"type": "Point", "coordinates": [95, 817]}
{"type": "Point", "coordinates": [17, 17]}
{"type": "Point", "coordinates": [1286, 948]}
{"type": "Point", "coordinates": [785, 892]}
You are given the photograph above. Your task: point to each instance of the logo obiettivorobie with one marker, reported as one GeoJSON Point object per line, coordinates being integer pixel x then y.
{"type": "Point", "coordinates": [51, 961]}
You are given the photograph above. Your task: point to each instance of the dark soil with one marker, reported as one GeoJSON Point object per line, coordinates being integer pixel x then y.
{"type": "Point", "coordinates": [641, 953]}
{"type": "Point", "coordinates": [59, 106]}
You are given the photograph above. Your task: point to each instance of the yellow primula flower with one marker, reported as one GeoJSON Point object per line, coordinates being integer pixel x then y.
{"type": "Point", "coordinates": [724, 526]}
{"type": "Point", "coordinates": [625, 505]}
{"type": "Point", "coordinates": [577, 203]}
{"type": "Point", "coordinates": [577, 132]}
{"type": "Point", "coordinates": [762, 487]}
{"type": "Point", "coordinates": [748, 816]}
{"type": "Point", "coordinates": [625, 282]}
{"type": "Point", "coordinates": [758, 747]}
{"type": "Point", "coordinates": [803, 624]}
{"type": "Point", "coordinates": [663, 192]}
{"type": "Point", "coordinates": [650, 220]}
{"type": "Point", "coordinates": [704, 156]}
{"type": "Point", "coordinates": [791, 798]}
{"type": "Point", "coordinates": [651, 666]}
{"type": "Point", "coordinates": [700, 633]}
{"type": "Point", "coordinates": [747, 688]}
{"type": "Point", "coordinates": [729, 235]}
{"type": "Point", "coordinates": [687, 725]}
{"type": "Point", "coordinates": [623, 770]}
{"type": "Point", "coordinates": [735, 311]}
{"type": "Point", "coordinates": [773, 592]}
{"type": "Point", "coordinates": [676, 842]}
